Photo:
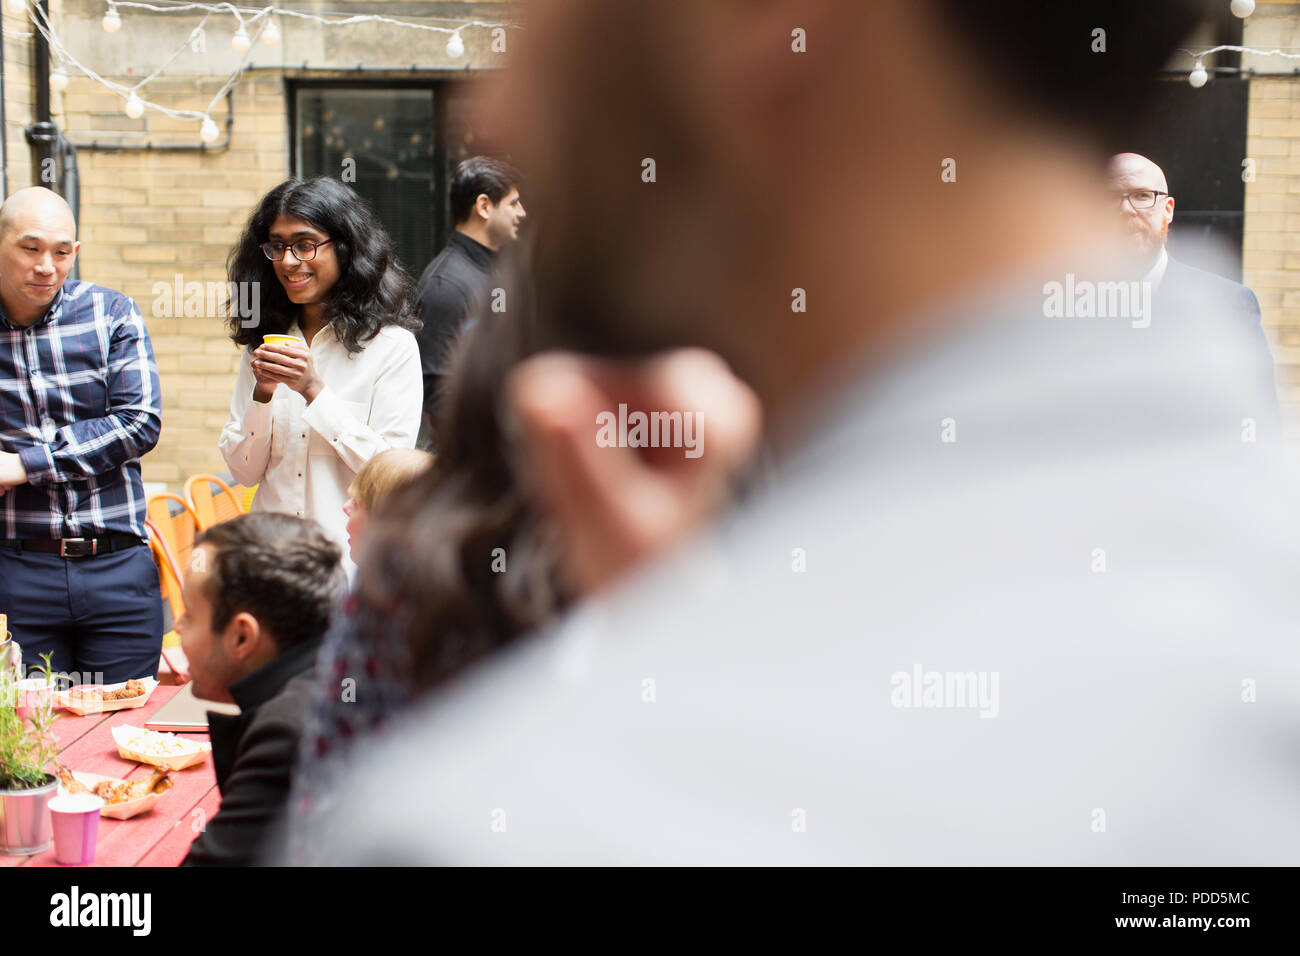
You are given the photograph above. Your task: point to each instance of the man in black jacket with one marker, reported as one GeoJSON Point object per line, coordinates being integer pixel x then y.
{"type": "Point", "coordinates": [487, 210]}
{"type": "Point", "coordinates": [258, 599]}
{"type": "Point", "coordinates": [1179, 291]}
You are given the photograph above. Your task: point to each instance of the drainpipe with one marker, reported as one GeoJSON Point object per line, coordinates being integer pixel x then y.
{"type": "Point", "coordinates": [4, 123]}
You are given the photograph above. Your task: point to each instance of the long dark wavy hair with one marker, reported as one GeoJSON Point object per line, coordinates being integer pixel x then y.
{"type": "Point", "coordinates": [458, 563]}
{"type": "Point", "coordinates": [372, 291]}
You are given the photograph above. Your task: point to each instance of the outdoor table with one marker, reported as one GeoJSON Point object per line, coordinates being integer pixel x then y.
{"type": "Point", "coordinates": [160, 837]}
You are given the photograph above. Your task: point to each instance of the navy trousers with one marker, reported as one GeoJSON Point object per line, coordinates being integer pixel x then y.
{"type": "Point", "coordinates": [99, 615]}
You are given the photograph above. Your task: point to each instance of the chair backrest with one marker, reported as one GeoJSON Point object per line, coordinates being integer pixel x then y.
{"type": "Point", "coordinates": [212, 508]}
{"type": "Point", "coordinates": [169, 574]}
{"type": "Point", "coordinates": [169, 581]}
{"type": "Point", "coordinates": [177, 522]}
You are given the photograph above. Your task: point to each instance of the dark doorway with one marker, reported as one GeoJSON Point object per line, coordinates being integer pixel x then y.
{"type": "Point", "coordinates": [1198, 137]}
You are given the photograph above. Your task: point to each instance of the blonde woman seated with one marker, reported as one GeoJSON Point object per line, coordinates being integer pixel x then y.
{"type": "Point", "coordinates": [377, 479]}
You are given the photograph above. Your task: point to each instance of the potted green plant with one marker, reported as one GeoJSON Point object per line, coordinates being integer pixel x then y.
{"type": "Point", "coordinates": [27, 748]}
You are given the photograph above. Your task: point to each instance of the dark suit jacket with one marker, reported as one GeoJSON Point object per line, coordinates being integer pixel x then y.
{"type": "Point", "coordinates": [1187, 292]}
{"type": "Point", "coordinates": [253, 754]}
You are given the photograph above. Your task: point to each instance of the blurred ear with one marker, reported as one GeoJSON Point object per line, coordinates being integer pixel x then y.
{"type": "Point", "coordinates": [615, 504]}
{"type": "Point", "coordinates": [244, 637]}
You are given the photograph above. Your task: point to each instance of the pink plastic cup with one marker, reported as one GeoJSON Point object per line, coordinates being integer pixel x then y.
{"type": "Point", "coordinates": [76, 827]}
{"type": "Point", "coordinates": [33, 694]}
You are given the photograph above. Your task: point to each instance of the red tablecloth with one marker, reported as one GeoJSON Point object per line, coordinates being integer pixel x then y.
{"type": "Point", "coordinates": [161, 837]}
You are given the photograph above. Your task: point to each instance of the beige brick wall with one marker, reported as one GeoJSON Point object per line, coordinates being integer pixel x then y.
{"type": "Point", "coordinates": [1271, 243]}
{"type": "Point", "coordinates": [148, 217]}
{"type": "Point", "coordinates": [1271, 254]}
{"type": "Point", "coordinates": [18, 99]}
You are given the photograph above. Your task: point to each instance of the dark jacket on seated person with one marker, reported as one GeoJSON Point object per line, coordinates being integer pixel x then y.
{"type": "Point", "coordinates": [253, 754]}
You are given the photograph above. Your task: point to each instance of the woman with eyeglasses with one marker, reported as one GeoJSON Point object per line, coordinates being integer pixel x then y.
{"type": "Point", "coordinates": [315, 265]}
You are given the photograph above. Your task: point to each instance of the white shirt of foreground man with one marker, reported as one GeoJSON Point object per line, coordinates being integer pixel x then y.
{"type": "Point", "coordinates": [1027, 597]}
{"type": "Point", "coordinates": [303, 457]}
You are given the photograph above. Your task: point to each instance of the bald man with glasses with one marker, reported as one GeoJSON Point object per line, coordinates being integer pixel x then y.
{"type": "Point", "coordinates": [1146, 208]}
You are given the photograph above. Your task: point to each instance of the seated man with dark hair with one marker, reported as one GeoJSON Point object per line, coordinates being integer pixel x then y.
{"type": "Point", "coordinates": [258, 599]}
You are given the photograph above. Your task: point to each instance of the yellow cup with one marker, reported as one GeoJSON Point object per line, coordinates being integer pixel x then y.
{"type": "Point", "coordinates": [282, 340]}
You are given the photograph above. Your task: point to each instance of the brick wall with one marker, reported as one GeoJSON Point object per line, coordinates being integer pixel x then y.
{"type": "Point", "coordinates": [1271, 254]}
{"type": "Point", "coordinates": [18, 99]}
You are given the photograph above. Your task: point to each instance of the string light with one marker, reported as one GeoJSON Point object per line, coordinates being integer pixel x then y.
{"type": "Point", "coordinates": [1199, 74]}
{"type": "Point", "coordinates": [1242, 8]}
{"type": "Point", "coordinates": [17, 7]}
{"type": "Point", "coordinates": [269, 32]}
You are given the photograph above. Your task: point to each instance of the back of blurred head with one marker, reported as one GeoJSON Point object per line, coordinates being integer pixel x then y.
{"type": "Point", "coordinates": [691, 168]}
{"type": "Point", "coordinates": [457, 562]}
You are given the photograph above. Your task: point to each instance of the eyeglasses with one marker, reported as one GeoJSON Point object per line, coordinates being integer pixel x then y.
{"type": "Point", "coordinates": [1142, 198]}
{"type": "Point", "coordinates": [303, 249]}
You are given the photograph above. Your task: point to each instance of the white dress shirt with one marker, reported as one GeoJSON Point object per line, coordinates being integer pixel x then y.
{"type": "Point", "coordinates": [1157, 272]}
{"type": "Point", "coordinates": [303, 457]}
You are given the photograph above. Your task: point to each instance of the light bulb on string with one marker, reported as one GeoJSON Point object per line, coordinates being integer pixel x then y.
{"type": "Point", "coordinates": [59, 80]}
{"type": "Point", "coordinates": [1242, 8]}
{"type": "Point", "coordinates": [134, 106]}
{"type": "Point", "coordinates": [455, 46]}
{"type": "Point", "coordinates": [1198, 76]}
{"type": "Point", "coordinates": [271, 33]}
{"type": "Point", "coordinates": [112, 21]}
{"type": "Point", "coordinates": [208, 132]}
{"type": "Point", "coordinates": [240, 40]}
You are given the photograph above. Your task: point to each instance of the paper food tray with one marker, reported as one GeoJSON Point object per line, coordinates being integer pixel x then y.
{"type": "Point", "coordinates": [189, 752]}
{"type": "Point", "coordinates": [76, 702]}
{"type": "Point", "coordinates": [120, 811]}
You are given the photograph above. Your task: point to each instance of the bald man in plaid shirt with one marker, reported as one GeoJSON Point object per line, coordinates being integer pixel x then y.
{"type": "Point", "coordinates": [79, 406]}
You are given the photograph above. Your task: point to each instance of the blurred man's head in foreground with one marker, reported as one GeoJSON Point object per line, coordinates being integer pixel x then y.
{"type": "Point", "coordinates": [692, 168]}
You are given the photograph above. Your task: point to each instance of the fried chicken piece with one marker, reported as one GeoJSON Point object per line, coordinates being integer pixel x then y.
{"type": "Point", "coordinates": [71, 783]}
{"type": "Point", "coordinates": [145, 785]}
{"type": "Point", "coordinates": [113, 791]}
{"type": "Point", "coordinates": [133, 688]}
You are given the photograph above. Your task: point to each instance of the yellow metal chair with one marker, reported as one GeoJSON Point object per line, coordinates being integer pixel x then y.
{"type": "Point", "coordinates": [213, 507]}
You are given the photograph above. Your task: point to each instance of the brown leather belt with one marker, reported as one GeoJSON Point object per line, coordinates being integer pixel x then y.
{"type": "Point", "coordinates": [75, 547]}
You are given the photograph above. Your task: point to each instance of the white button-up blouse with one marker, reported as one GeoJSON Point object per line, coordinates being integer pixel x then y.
{"type": "Point", "coordinates": [303, 457]}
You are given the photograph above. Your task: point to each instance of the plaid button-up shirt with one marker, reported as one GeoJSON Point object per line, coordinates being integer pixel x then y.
{"type": "Point", "coordinates": [80, 403]}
